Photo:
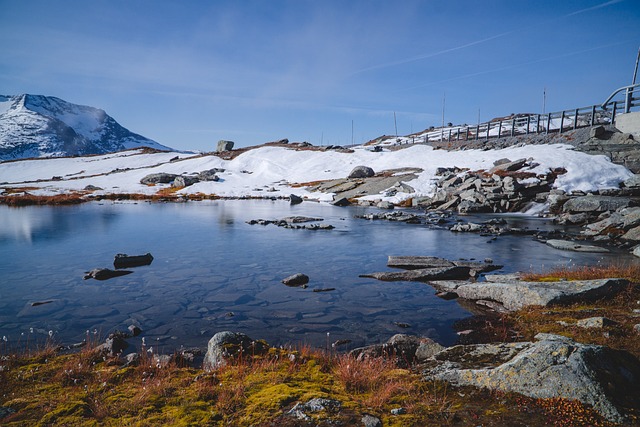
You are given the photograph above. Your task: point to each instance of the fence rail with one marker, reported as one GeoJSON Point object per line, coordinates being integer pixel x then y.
{"type": "Point", "coordinates": [621, 101]}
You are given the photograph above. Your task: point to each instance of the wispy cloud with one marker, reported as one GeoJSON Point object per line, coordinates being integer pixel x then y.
{"type": "Point", "coordinates": [596, 7]}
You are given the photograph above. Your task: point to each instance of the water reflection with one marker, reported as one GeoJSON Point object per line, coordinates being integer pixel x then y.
{"type": "Point", "coordinates": [212, 271]}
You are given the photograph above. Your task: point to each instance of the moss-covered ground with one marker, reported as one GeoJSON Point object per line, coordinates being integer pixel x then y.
{"type": "Point", "coordinates": [44, 387]}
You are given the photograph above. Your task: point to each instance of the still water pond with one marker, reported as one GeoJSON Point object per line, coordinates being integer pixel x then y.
{"type": "Point", "coordinates": [212, 271]}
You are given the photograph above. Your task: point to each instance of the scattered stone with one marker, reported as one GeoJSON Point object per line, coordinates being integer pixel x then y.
{"type": "Point", "coordinates": [184, 181]}
{"type": "Point", "coordinates": [228, 344]}
{"type": "Point", "coordinates": [361, 172]}
{"type": "Point", "coordinates": [553, 366]}
{"type": "Point", "coordinates": [295, 200]}
{"type": "Point", "coordinates": [104, 273]}
{"type": "Point", "coordinates": [575, 246]}
{"type": "Point", "coordinates": [594, 322]}
{"type": "Point", "coordinates": [636, 328]}
{"type": "Point", "coordinates": [300, 410]}
{"type": "Point", "coordinates": [210, 175]}
{"type": "Point", "coordinates": [421, 262]}
{"type": "Point", "coordinates": [92, 188]}
{"type": "Point", "coordinates": [324, 289]}
{"type": "Point", "coordinates": [128, 261]}
{"type": "Point", "coordinates": [384, 205]}
{"type": "Point", "coordinates": [402, 325]}
{"type": "Point", "coordinates": [113, 345]}
{"type": "Point", "coordinates": [597, 132]}
{"type": "Point", "coordinates": [297, 279]}
{"type": "Point", "coordinates": [403, 349]}
{"type": "Point", "coordinates": [398, 411]}
{"type": "Point", "coordinates": [371, 421]}
{"type": "Point", "coordinates": [224, 146]}
{"type": "Point", "coordinates": [338, 343]}
{"type": "Point", "coordinates": [592, 203]}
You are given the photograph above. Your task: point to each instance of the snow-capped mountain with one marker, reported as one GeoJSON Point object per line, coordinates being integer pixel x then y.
{"type": "Point", "coordinates": [45, 126]}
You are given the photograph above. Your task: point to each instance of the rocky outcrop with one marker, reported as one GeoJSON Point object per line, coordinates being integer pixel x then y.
{"type": "Point", "coordinates": [158, 178]}
{"type": "Point", "coordinates": [427, 268]}
{"type": "Point", "coordinates": [513, 294]}
{"type": "Point", "coordinates": [298, 279]}
{"type": "Point", "coordinates": [293, 222]}
{"type": "Point", "coordinates": [567, 245]}
{"type": "Point", "coordinates": [553, 366]}
{"type": "Point", "coordinates": [104, 273]}
{"type": "Point", "coordinates": [507, 187]}
{"type": "Point", "coordinates": [128, 261]}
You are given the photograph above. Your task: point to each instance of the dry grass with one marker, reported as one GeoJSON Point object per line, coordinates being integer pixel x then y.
{"type": "Point", "coordinates": [630, 272]}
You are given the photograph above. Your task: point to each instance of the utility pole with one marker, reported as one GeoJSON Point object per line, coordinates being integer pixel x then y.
{"type": "Point", "coordinates": [395, 123]}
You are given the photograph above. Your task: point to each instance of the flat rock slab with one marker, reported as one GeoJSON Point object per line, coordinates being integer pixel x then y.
{"type": "Point", "coordinates": [515, 295]}
{"type": "Point", "coordinates": [423, 274]}
{"type": "Point", "coordinates": [567, 245]}
{"type": "Point", "coordinates": [554, 366]}
{"type": "Point", "coordinates": [423, 262]}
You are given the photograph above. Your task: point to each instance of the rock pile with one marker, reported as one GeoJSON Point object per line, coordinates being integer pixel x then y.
{"type": "Point", "coordinates": [181, 180]}
{"type": "Point", "coordinates": [507, 187]}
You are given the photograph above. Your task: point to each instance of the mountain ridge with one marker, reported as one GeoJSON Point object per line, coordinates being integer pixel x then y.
{"type": "Point", "coordinates": [47, 126]}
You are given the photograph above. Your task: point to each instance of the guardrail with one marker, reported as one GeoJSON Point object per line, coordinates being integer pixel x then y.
{"type": "Point", "coordinates": [561, 121]}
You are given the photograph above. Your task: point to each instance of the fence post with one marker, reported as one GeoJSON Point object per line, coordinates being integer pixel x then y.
{"type": "Point", "coordinates": [449, 140]}
{"type": "Point", "coordinates": [562, 121]}
{"type": "Point", "coordinates": [613, 112]}
{"type": "Point", "coordinates": [499, 128]}
{"type": "Point", "coordinates": [528, 123]}
{"type": "Point", "coordinates": [548, 123]}
{"type": "Point", "coordinates": [477, 131]}
{"type": "Point", "coordinates": [538, 123]}
{"type": "Point", "coordinates": [593, 115]}
{"type": "Point", "coordinates": [513, 126]}
{"type": "Point", "coordinates": [575, 120]}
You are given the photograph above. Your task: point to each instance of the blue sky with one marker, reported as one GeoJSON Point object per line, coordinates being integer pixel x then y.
{"type": "Point", "coordinates": [189, 73]}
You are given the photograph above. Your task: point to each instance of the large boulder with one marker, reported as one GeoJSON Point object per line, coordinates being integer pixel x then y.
{"type": "Point", "coordinates": [184, 181]}
{"type": "Point", "coordinates": [227, 344]}
{"type": "Point", "coordinates": [551, 367]}
{"type": "Point", "coordinates": [224, 146]}
{"type": "Point", "coordinates": [158, 178]}
{"type": "Point", "coordinates": [210, 174]}
{"type": "Point", "coordinates": [595, 204]}
{"type": "Point", "coordinates": [404, 350]}
{"type": "Point", "coordinates": [361, 172]}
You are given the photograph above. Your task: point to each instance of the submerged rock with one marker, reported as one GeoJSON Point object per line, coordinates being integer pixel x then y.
{"type": "Point", "coordinates": [297, 279]}
{"type": "Point", "coordinates": [554, 366]}
{"type": "Point", "coordinates": [567, 245]}
{"type": "Point", "coordinates": [423, 274]}
{"type": "Point", "coordinates": [127, 261]}
{"type": "Point", "coordinates": [104, 273]}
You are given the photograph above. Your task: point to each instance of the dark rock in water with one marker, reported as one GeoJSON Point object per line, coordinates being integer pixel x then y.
{"type": "Point", "coordinates": [341, 202]}
{"type": "Point", "coordinates": [158, 178]}
{"type": "Point", "coordinates": [295, 200]}
{"type": "Point", "coordinates": [423, 274]}
{"type": "Point", "coordinates": [297, 279]}
{"type": "Point", "coordinates": [104, 273]}
{"type": "Point", "coordinates": [324, 289]}
{"type": "Point", "coordinates": [402, 325]}
{"type": "Point", "coordinates": [361, 172]}
{"type": "Point", "coordinates": [37, 303]}
{"type": "Point", "coordinates": [227, 344]}
{"type": "Point", "coordinates": [127, 261]}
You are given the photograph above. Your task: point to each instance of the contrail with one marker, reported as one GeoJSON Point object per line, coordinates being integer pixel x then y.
{"type": "Point", "coordinates": [477, 42]}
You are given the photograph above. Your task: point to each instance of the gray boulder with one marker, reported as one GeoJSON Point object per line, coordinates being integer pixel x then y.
{"type": "Point", "coordinates": [361, 172]}
{"type": "Point", "coordinates": [104, 273]}
{"type": "Point", "coordinates": [595, 204]}
{"type": "Point", "coordinates": [553, 366]}
{"type": "Point", "coordinates": [515, 294]}
{"type": "Point", "coordinates": [224, 146]}
{"type": "Point", "coordinates": [507, 166]}
{"type": "Point", "coordinates": [370, 421]}
{"type": "Point", "coordinates": [403, 349]}
{"type": "Point", "coordinates": [184, 181]}
{"type": "Point", "coordinates": [158, 178]}
{"type": "Point", "coordinates": [227, 344]}
{"type": "Point", "coordinates": [113, 345]}
{"type": "Point", "coordinates": [210, 175]}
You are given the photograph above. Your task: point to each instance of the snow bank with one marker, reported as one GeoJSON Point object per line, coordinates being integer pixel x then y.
{"type": "Point", "coordinates": [270, 171]}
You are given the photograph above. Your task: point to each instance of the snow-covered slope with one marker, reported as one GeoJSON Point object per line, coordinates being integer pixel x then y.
{"type": "Point", "coordinates": [45, 126]}
{"type": "Point", "coordinates": [270, 171]}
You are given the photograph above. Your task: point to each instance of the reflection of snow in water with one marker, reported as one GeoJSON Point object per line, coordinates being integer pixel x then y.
{"type": "Point", "coordinates": [22, 225]}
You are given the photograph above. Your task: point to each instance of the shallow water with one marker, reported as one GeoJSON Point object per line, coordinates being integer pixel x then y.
{"type": "Point", "coordinates": [212, 271]}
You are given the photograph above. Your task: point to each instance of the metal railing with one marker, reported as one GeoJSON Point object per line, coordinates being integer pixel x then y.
{"type": "Point", "coordinates": [561, 121]}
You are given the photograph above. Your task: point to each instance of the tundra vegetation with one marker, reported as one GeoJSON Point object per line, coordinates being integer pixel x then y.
{"type": "Point", "coordinates": [40, 385]}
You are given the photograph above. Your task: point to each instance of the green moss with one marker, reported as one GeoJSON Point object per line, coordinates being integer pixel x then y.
{"type": "Point", "coordinates": [69, 413]}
